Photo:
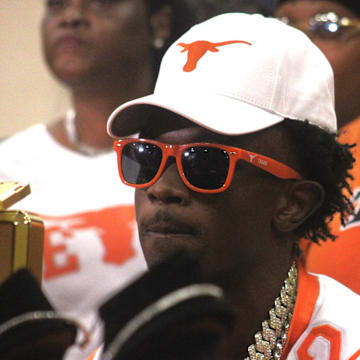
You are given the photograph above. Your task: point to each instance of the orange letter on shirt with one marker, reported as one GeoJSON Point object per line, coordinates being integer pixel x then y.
{"type": "Point", "coordinates": [50, 252]}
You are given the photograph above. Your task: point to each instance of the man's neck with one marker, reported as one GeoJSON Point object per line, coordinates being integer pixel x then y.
{"type": "Point", "coordinates": [251, 299]}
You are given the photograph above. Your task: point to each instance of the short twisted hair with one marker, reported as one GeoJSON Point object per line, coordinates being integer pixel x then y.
{"type": "Point", "coordinates": [322, 159]}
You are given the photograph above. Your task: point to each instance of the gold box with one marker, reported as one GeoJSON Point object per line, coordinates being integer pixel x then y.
{"type": "Point", "coordinates": [21, 243]}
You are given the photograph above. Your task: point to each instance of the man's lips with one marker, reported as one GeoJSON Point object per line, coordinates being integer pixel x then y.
{"type": "Point", "coordinates": [165, 224]}
{"type": "Point", "coordinates": [170, 229]}
{"type": "Point", "coordinates": [163, 232]}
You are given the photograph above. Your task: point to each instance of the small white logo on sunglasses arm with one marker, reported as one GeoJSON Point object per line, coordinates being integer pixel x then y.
{"type": "Point", "coordinates": [252, 157]}
{"type": "Point", "coordinates": [262, 162]}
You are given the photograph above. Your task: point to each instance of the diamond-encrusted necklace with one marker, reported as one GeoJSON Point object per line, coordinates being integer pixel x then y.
{"type": "Point", "coordinates": [270, 342]}
{"type": "Point", "coordinates": [73, 136]}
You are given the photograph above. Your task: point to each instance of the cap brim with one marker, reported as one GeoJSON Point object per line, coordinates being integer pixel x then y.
{"type": "Point", "coordinates": [207, 111]}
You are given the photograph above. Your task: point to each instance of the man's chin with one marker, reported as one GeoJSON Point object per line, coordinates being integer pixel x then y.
{"type": "Point", "coordinates": [153, 259]}
{"type": "Point", "coordinates": [157, 249]}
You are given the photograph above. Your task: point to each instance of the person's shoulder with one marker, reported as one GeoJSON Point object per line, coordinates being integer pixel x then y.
{"type": "Point", "coordinates": [335, 319]}
{"type": "Point", "coordinates": [325, 320]}
{"type": "Point", "coordinates": [337, 305]}
{"type": "Point", "coordinates": [20, 150]}
{"type": "Point", "coordinates": [30, 134]}
{"type": "Point", "coordinates": [331, 291]}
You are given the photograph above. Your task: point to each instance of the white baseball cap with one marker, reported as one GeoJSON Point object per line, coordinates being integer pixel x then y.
{"type": "Point", "coordinates": [235, 74]}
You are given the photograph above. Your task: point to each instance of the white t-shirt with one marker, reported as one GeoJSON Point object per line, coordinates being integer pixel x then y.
{"type": "Point", "coordinates": [91, 243]}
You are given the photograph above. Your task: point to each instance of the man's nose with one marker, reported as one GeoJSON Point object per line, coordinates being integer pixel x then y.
{"type": "Point", "coordinates": [169, 189]}
{"type": "Point", "coordinates": [74, 14]}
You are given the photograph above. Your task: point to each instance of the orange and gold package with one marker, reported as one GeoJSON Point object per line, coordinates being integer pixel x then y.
{"type": "Point", "coordinates": [21, 234]}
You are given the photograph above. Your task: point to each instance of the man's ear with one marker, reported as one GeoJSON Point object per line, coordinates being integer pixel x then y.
{"type": "Point", "coordinates": [299, 201]}
{"type": "Point", "coordinates": [161, 22]}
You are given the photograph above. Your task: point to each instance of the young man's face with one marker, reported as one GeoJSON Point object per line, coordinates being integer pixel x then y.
{"type": "Point", "coordinates": [229, 231]}
{"type": "Point", "coordinates": [343, 52]}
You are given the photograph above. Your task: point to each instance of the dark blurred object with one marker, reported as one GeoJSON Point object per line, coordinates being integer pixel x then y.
{"type": "Point", "coordinates": [29, 327]}
{"type": "Point", "coordinates": [21, 234]}
{"type": "Point", "coordinates": [206, 9]}
{"type": "Point", "coordinates": [181, 20]}
{"type": "Point", "coordinates": [168, 313]}
{"type": "Point", "coordinates": [353, 5]}
{"type": "Point", "coordinates": [268, 6]}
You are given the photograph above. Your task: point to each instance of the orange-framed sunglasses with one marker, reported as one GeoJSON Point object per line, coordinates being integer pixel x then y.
{"type": "Point", "coordinates": [203, 167]}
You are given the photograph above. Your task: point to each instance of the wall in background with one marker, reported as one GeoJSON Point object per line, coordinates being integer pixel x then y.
{"type": "Point", "coordinates": [28, 92]}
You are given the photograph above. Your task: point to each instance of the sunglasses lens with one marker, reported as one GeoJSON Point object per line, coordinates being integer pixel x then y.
{"type": "Point", "coordinates": [140, 162]}
{"type": "Point", "coordinates": [205, 167]}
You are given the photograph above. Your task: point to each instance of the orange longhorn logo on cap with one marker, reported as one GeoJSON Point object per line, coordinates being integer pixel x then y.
{"type": "Point", "coordinates": [197, 49]}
